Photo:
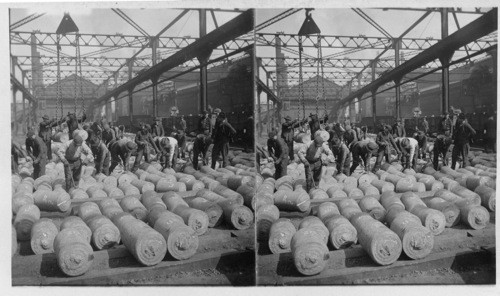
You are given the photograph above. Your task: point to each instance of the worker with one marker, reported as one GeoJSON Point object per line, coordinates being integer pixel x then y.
{"type": "Point", "coordinates": [72, 121]}
{"type": "Point", "coordinates": [16, 153]}
{"type": "Point", "coordinates": [120, 131]}
{"type": "Point", "coordinates": [168, 151]}
{"type": "Point", "coordinates": [287, 132]}
{"type": "Point", "coordinates": [363, 151]}
{"type": "Point", "coordinates": [462, 134]}
{"type": "Point", "coordinates": [45, 132]}
{"type": "Point", "coordinates": [350, 136]}
{"type": "Point", "coordinates": [385, 142]}
{"type": "Point", "coordinates": [446, 125]}
{"type": "Point", "coordinates": [278, 152]}
{"type": "Point", "coordinates": [70, 155]}
{"type": "Point", "coordinates": [425, 126]}
{"type": "Point", "coordinates": [223, 131]}
{"type": "Point", "coordinates": [312, 158]}
{"type": "Point", "coordinates": [342, 155]}
{"type": "Point", "coordinates": [180, 136]}
{"type": "Point", "coordinates": [201, 145]}
{"type": "Point", "coordinates": [213, 118]}
{"type": "Point", "coordinates": [37, 150]}
{"type": "Point", "coordinates": [421, 138]}
{"type": "Point", "coordinates": [204, 123]}
{"type": "Point", "coordinates": [120, 151]}
{"type": "Point", "coordinates": [398, 129]}
{"type": "Point", "coordinates": [182, 124]}
{"type": "Point", "coordinates": [108, 135]}
{"type": "Point", "coordinates": [143, 140]}
{"type": "Point", "coordinates": [315, 122]}
{"type": "Point", "coordinates": [157, 128]}
{"type": "Point", "coordinates": [490, 134]}
{"type": "Point", "coordinates": [441, 146]}
{"type": "Point", "coordinates": [102, 157]}
{"type": "Point", "coordinates": [409, 150]}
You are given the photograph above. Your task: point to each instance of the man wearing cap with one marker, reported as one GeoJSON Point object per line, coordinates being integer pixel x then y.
{"type": "Point", "coordinates": [441, 147]}
{"type": "Point", "coordinates": [70, 154]}
{"type": "Point", "coordinates": [311, 157]}
{"type": "Point", "coordinates": [278, 151]}
{"type": "Point", "coordinates": [143, 139]}
{"type": "Point", "coordinates": [108, 135]}
{"type": "Point", "coordinates": [223, 131]}
{"type": "Point", "coordinates": [362, 151]}
{"type": "Point", "coordinates": [342, 155]}
{"type": "Point", "coordinates": [204, 123]}
{"type": "Point", "coordinates": [121, 150]}
{"type": "Point", "coordinates": [315, 122]}
{"type": "Point", "coordinates": [398, 129]}
{"type": "Point", "coordinates": [157, 127]}
{"type": "Point", "coordinates": [72, 121]}
{"type": "Point", "coordinates": [213, 118]}
{"type": "Point", "coordinates": [350, 135]}
{"type": "Point", "coordinates": [287, 132]}
{"type": "Point", "coordinates": [462, 133]}
{"type": "Point", "coordinates": [102, 157]}
{"type": "Point", "coordinates": [409, 149]}
{"type": "Point", "coordinates": [182, 124]}
{"type": "Point", "coordinates": [421, 138]}
{"type": "Point", "coordinates": [37, 150]}
{"type": "Point", "coordinates": [168, 151]}
{"type": "Point", "coordinates": [384, 142]}
{"type": "Point", "coordinates": [180, 136]}
{"type": "Point", "coordinates": [200, 145]}
{"type": "Point", "coordinates": [446, 125]}
{"type": "Point", "coordinates": [425, 126]}
{"type": "Point", "coordinates": [45, 132]}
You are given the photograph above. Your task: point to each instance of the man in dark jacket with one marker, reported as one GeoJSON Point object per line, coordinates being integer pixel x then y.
{"type": "Point", "coordinates": [102, 157]}
{"type": "Point", "coordinates": [362, 150]}
{"type": "Point", "coordinates": [462, 134]}
{"type": "Point", "coordinates": [157, 128]}
{"type": "Point", "coordinates": [425, 126]}
{"type": "Point", "coordinates": [121, 150]}
{"type": "Point", "coordinates": [223, 131]}
{"type": "Point", "coordinates": [421, 138]}
{"type": "Point", "coordinates": [398, 129]}
{"type": "Point", "coordinates": [182, 124]}
{"type": "Point", "coordinates": [278, 151]}
{"type": "Point", "coordinates": [37, 150]}
{"type": "Point", "coordinates": [45, 133]}
{"type": "Point", "coordinates": [350, 136]}
{"type": "Point", "coordinates": [342, 155]}
{"type": "Point", "coordinates": [446, 125]}
{"type": "Point", "coordinates": [143, 140]}
{"type": "Point", "coordinates": [287, 132]}
{"type": "Point", "coordinates": [315, 123]}
{"type": "Point", "coordinates": [204, 123]}
{"type": "Point", "coordinates": [72, 121]}
{"type": "Point", "coordinates": [441, 147]}
{"type": "Point", "coordinates": [201, 145]}
{"type": "Point", "coordinates": [490, 134]}
{"type": "Point", "coordinates": [108, 135]}
{"type": "Point", "coordinates": [385, 142]}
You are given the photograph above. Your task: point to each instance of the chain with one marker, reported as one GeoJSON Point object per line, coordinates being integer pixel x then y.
{"type": "Point", "coordinates": [317, 81]}
{"type": "Point", "coordinates": [320, 52]}
{"type": "Point", "coordinates": [78, 60]}
{"type": "Point", "coordinates": [301, 87]}
{"type": "Point", "coordinates": [58, 88]}
{"type": "Point", "coordinates": [76, 73]}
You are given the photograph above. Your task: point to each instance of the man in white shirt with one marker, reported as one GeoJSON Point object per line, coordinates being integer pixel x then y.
{"type": "Point", "coordinates": [70, 154]}
{"type": "Point", "coordinates": [313, 157]}
{"type": "Point", "coordinates": [169, 149]}
{"type": "Point", "coordinates": [408, 148]}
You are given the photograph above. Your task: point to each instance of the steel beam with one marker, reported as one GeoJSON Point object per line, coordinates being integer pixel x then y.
{"type": "Point", "coordinates": [241, 24]}
{"type": "Point", "coordinates": [482, 26]}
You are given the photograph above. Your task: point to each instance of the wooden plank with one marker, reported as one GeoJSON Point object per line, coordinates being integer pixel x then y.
{"type": "Point", "coordinates": [350, 275]}
{"type": "Point", "coordinates": [118, 274]}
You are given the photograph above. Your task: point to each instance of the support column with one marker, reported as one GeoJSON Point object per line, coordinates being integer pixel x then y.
{"type": "Point", "coordinates": [14, 108]}
{"type": "Point", "coordinates": [203, 60]}
{"type": "Point", "coordinates": [109, 113]}
{"type": "Point", "coordinates": [273, 117]}
{"type": "Point", "coordinates": [445, 75]}
{"type": "Point", "coordinates": [397, 47]}
{"type": "Point", "coordinates": [24, 124]}
{"type": "Point", "coordinates": [258, 114]}
{"type": "Point", "coordinates": [154, 46]}
{"type": "Point", "coordinates": [268, 116]}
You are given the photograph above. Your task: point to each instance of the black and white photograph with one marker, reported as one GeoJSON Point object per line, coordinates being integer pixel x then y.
{"type": "Point", "coordinates": [96, 90]}
{"type": "Point", "coordinates": [376, 140]}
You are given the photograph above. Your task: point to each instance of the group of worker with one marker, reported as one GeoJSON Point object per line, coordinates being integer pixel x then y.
{"type": "Point", "coordinates": [349, 146]}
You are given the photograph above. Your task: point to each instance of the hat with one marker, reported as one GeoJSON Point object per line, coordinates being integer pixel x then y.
{"type": "Point", "coordinates": [405, 142]}
{"type": "Point", "coordinates": [217, 110]}
{"type": "Point", "coordinates": [78, 139]}
{"type": "Point", "coordinates": [30, 134]}
{"type": "Point", "coordinates": [45, 117]}
{"type": "Point", "coordinates": [131, 145]}
{"type": "Point", "coordinates": [372, 146]}
{"type": "Point", "coordinates": [318, 140]}
{"type": "Point", "coordinates": [272, 134]}
{"type": "Point", "coordinates": [288, 118]}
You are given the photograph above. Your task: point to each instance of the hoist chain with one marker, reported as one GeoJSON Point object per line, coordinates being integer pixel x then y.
{"type": "Point", "coordinates": [320, 51]}
{"type": "Point", "coordinates": [58, 88]}
{"type": "Point", "coordinates": [76, 73]}
{"type": "Point", "coordinates": [78, 59]}
{"type": "Point", "coordinates": [301, 81]}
